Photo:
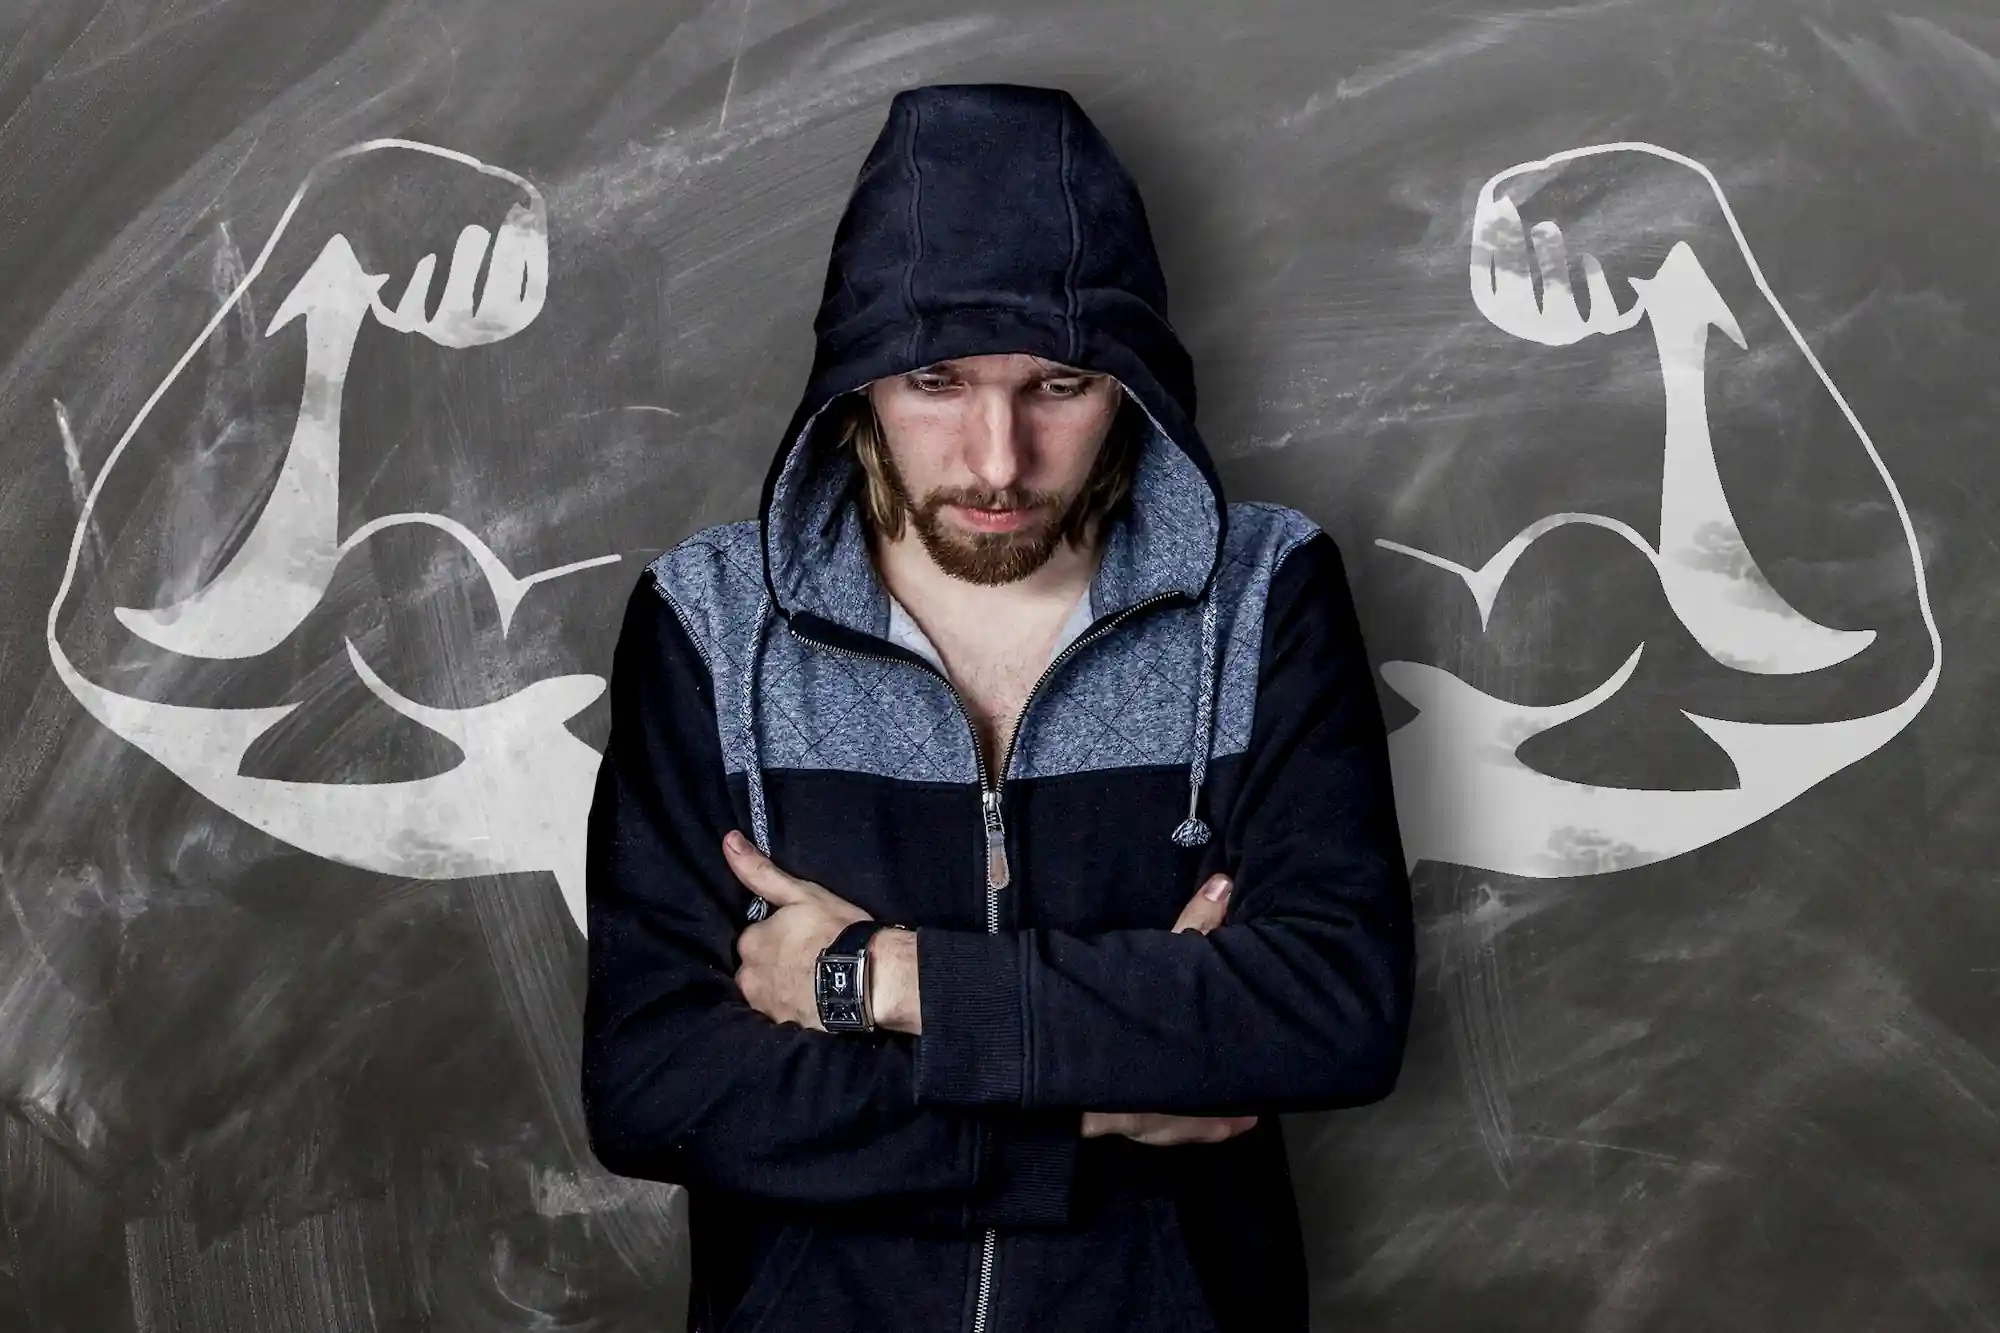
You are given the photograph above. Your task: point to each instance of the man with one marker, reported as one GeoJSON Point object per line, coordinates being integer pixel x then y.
{"type": "Point", "coordinates": [995, 679]}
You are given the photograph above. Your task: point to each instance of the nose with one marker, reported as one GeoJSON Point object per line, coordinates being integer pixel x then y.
{"type": "Point", "coordinates": [995, 438]}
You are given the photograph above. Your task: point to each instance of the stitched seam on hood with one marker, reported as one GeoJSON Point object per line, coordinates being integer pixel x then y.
{"type": "Point", "coordinates": [916, 232]}
{"type": "Point", "coordinates": [1075, 237]}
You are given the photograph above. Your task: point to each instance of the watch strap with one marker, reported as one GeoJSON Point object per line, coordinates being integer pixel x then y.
{"type": "Point", "coordinates": [854, 936]}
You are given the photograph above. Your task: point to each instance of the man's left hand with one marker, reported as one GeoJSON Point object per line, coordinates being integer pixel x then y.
{"type": "Point", "coordinates": [780, 953]}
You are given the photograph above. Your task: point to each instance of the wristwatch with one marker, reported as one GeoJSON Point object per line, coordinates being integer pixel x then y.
{"type": "Point", "coordinates": [840, 978]}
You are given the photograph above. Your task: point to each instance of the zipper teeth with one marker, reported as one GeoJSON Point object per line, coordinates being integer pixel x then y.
{"type": "Point", "coordinates": [1007, 759]}
{"type": "Point", "coordinates": [978, 754]}
{"type": "Point", "coordinates": [985, 1280]}
{"type": "Point", "coordinates": [687, 625]}
{"type": "Point", "coordinates": [989, 801]}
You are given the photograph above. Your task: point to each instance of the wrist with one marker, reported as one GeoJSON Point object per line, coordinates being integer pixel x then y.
{"type": "Point", "coordinates": [893, 1001]}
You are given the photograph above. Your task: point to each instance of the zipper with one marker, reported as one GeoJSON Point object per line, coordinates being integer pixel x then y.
{"type": "Point", "coordinates": [998, 874]}
{"type": "Point", "coordinates": [986, 1245]}
{"type": "Point", "coordinates": [996, 831]}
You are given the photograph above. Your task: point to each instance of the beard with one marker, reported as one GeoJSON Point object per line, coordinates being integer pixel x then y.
{"type": "Point", "coordinates": [985, 557]}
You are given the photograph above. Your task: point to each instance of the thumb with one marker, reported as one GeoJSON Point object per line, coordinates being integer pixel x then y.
{"type": "Point", "coordinates": [1204, 911]}
{"type": "Point", "coordinates": [759, 873]}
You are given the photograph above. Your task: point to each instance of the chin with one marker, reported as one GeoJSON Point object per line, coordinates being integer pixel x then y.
{"type": "Point", "coordinates": [991, 562]}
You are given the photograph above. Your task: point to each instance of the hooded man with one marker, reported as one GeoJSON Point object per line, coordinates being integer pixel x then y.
{"type": "Point", "coordinates": [994, 681]}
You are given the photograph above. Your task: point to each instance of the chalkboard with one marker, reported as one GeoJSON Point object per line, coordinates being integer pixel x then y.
{"type": "Point", "coordinates": [1639, 356]}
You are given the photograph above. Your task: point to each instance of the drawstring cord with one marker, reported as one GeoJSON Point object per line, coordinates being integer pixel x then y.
{"type": "Point", "coordinates": [1192, 832]}
{"type": "Point", "coordinates": [753, 767]}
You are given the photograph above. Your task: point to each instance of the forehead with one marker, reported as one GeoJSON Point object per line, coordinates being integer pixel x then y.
{"type": "Point", "coordinates": [1001, 367]}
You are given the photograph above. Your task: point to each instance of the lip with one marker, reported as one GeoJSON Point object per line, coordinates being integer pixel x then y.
{"type": "Point", "coordinates": [987, 521]}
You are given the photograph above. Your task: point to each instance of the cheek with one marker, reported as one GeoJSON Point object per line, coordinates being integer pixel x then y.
{"type": "Point", "coordinates": [922, 469]}
{"type": "Point", "coordinates": [1070, 448]}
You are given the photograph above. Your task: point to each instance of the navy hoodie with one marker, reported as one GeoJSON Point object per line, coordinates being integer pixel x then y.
{"type": "Point", "coordinates": [1218, 713]}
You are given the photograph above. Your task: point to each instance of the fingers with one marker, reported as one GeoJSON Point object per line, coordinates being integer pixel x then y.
{"type": "Point", "coordinates": [467, 257]}
{"type": "Point", "coordinates": [1205, 911]}
{"type": "Point", "coordinates": [1165, 1131]}
{"type": "Point", "coordinates": [1552, 259]}
{"type": "Point", "coordinates": [517, 277]}
{"type": "Point", "coordinates": [417, 295]}
{"type": "Point", "coordinates": [515, 262]}
{"type": "Point", "coordinates": [759, 873]}
{"type": "Point", "coordinates": [1206, 1128]}
{"type": "Point", "coordinates": [1099, 1123]}
{"type": "Point", "coordinates": [1503, 248]}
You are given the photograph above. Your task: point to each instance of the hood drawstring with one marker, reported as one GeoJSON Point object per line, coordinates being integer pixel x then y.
{"type": "Point", "coordinates": [1192, 832]}
{"type": "Point", "coordinates": [753, 765]}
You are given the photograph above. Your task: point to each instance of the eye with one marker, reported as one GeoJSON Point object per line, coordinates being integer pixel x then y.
{"type": "Point", "coordinates": [1071, 388]}
{"type": "Point", "coordinates": [928, 381]}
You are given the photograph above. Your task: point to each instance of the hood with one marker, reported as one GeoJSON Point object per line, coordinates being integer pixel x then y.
{"type": "Point", "coordinates": [991, 218]}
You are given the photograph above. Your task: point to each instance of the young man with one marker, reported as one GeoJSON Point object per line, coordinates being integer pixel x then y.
{"type": "Point", "coordinates": [995, 681]}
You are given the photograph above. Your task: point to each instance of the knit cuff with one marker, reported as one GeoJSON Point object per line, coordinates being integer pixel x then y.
{"type": "Point", "coordinates": [970, 1050]}
{"type": "Point", "coordinates": [1030, 1159]}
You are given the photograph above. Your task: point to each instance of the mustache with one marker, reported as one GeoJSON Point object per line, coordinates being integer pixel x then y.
{"type": "Point", "coordinates": [980, 497]}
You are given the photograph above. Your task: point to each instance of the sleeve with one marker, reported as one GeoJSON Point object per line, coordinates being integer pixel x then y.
{"type": "Point", "coordinates": [682, 1080]}
{"type": "Point", "coordinates": [1299, 1001]}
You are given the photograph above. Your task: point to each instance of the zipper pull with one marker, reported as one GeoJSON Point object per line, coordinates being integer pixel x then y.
{"type": "Point", "coordinates": [997, 873]}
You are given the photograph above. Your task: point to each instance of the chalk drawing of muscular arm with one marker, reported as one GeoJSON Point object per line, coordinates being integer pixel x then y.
{"type": "Point", "coordinates": [519, 796]}
{"type": "Point", "coordinates": [518, 799]}
{"type": "Point", "coordinates": [1463, 792]}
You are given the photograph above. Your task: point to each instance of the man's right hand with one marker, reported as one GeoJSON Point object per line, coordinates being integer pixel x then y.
{"type": "Point", "coordinates": [1203, 913]}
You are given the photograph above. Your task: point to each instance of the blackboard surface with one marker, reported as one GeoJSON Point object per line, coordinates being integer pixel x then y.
{"type": "Point", "coordinates": [1700, 778]}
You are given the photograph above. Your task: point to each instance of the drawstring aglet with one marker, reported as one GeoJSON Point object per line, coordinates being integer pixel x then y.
{"type": "Point", "coordinates": [1191, 832]}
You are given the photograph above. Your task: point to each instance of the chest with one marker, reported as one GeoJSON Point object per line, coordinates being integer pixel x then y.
{"type": "Point", "coordinates": [994, 661]}
{"type": "Point", "coordinates": [995, 683]}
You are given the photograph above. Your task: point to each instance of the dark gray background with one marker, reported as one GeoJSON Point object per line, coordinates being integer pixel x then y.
{"type": "Point", "coordinates": [1752, 1087]}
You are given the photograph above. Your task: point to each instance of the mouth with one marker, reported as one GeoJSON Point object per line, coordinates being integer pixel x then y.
{"type": "Point", "coordinates": [992, 520]}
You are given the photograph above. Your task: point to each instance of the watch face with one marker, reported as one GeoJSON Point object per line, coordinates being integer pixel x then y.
{"type": "Point", "coordinates": [839, 995]}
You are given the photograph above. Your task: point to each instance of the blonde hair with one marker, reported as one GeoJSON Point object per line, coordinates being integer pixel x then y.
{"type": "Point", "coordinates": [1107, 488]}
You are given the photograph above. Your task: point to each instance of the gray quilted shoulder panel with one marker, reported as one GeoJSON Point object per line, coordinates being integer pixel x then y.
{"type": "Point", "coordinates": [1126, 698]}
{"type": "Point", "coordinates": [1129, 697]}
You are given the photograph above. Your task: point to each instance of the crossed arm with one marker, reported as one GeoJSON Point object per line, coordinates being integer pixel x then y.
{"type": "Point", "coordinates": [976, 1121]}
{"type": "Point", "coordinates": [778, 955]}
